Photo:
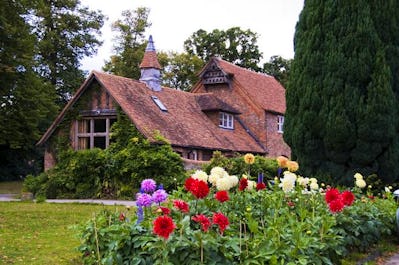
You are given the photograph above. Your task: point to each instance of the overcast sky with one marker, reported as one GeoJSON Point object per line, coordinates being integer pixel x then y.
{"type": "Point", "coordinates": [173, 21]}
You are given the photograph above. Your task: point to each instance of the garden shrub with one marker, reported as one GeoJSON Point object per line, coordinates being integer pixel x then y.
{"type": "Point", "coordinates": [237, 166]}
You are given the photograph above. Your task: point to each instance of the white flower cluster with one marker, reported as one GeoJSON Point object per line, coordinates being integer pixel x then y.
{"type": "Point", "coordinates": [218, 177]}
{"type": "Point", "coordinates": [287, 183]}
{"type": "Point", "coordinates": [360, 181]}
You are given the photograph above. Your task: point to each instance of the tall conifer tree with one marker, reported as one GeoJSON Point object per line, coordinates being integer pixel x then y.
{"type": "Point", "coordinates": [341, 105]}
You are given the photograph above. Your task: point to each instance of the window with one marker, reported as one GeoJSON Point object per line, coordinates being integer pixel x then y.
{"type": "Point", "coordinates": [226, 120]}
{"type": "Point", "coordinates": [93, 132]}
{"type": "Point", "coordinates": [192, 155]}
{"type": "Point", "coordinates": [280, 124]}
{"type": "Point", "coordinates": [159, 103]}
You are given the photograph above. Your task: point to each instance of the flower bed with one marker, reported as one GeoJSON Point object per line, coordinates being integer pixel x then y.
{"type": "Point", "coordinates": [223, 219]}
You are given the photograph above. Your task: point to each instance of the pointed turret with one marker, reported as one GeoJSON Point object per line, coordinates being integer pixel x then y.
{"type": "Point", "coordinates": [150, 67]}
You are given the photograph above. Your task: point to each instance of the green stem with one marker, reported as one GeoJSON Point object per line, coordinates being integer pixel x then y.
{"type": "Point", "coordinates": [97, 244]}
{"type": "Point", "coordinates": [202, 250]}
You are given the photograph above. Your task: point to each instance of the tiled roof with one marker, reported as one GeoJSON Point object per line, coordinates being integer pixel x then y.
{"type": "Point", "coordinates": [150, 60]}
{"type": "Point", "coordinates": [263, 89]}
{"type": "Point", "coordinates": [183, 124]}
{"type": "Point", "coordinates": [209, 102]}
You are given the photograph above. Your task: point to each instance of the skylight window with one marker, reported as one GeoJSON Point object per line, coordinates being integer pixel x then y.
{"type": "Point", "coordinates": [159, 103]}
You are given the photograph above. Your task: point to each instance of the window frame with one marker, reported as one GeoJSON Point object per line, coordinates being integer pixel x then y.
{"type": "Point", "coordinates": [91, 134]}
{"type": "Point", "coordinates": [280, 123]}
{"type": "Point", "coordinates": [226, 120]}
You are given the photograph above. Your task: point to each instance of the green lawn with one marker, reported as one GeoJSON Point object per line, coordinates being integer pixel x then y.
{"type": "Point", "coordinates": [42, 233]}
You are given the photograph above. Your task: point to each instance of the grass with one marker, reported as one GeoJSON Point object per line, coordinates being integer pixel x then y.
{"type": "Point", "coordinates": [11, 187]}
{"type": "Point", "coordinates": [42, 233]}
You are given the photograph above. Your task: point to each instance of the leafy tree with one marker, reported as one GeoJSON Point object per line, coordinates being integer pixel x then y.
{"type": "Point", "coordinates": [26, 102]}
{"type": "Point", "coordinates": [129, 44]}
{"type": "Point", "coordinates": [279, 68]}
{"type": "Point", "coordinates": [180, 69]}
{"type": "Point", "coordinates": [66, 32]}
{"type": "Point", "coordinates": [341, 107]}
{"type": "Point", "coordinates": [234, 45]}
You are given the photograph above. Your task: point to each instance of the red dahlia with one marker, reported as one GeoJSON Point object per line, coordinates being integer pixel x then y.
{"type": "Point", "coordinates": [203, 220]}
{"type": "Point", "coordinates": [336, 205]}
{"type": "Point", "coordinates": [222, 196]}
{"type": "Point", "coordinates": [164, 210]}
{"type": "Point", "coordinates": [243, 184]}
{"type": "Point", "coordinates": [188, 183]}
{"type": "Point", "coordinates": [181, 206]}
{"type": "Point", "coordinates": [260, 186]}
{"type": "Point", "coordinates": [221, 220]}
{"type": "Point", "coordinates": [348, 197]}
{"type": "Point", "coordinates": [332, 194]}
{"type": "Point", "coordinates": [163, 226]}
{"type": "Point", "coordinates": [199, 189]}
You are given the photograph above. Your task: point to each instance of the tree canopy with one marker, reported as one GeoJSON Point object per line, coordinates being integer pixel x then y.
{"type": "Point", "coordinates": [180, 69]}
{"type": "Point", "coordinates": [130, 43]}
{"type": "Point", "coordinates": [233, 45]}
{"type": "Point", "coordinates": [279, 68]}
{"type": "Point", "coordinates": [341, 113]}
{"type": "Point", "coordinates": [66, 32]}
{"type": "Point", "coordinates": [41, 45]}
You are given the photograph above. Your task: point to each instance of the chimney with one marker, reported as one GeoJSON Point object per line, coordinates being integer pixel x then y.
{"type": "Point", "coordinates": [150, 67]}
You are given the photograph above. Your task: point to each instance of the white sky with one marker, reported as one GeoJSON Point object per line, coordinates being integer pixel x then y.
{"type": "Point", "coordinates": [173, 21]}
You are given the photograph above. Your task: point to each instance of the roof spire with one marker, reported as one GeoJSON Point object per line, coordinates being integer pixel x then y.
{"type": "Point", "coordinates": [150, 45]}
{"type": "Point", "coordinates": [150, 67]}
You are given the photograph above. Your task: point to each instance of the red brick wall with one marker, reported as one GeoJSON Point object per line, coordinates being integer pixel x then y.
{"type": "Point", "coordinates": [275, 142]}
{"type": "Point", "coordinates": [251, 114]}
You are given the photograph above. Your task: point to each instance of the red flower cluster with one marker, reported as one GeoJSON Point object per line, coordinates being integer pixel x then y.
{"type": "Point", "coordinates": [197, 187]}
{"type": "Point", "coordinates": [203, 220]}
{"type": "Point", "coordinates": [260, 186]}
{"type": "Point", "coordinates": [189, 182]}
{"type": "Point", "coordinates": [222, 196]}
{"type": "Point", "coordinates": [164, 210]}
{"type": "Point", "coordinates": [337, 201]}
{"type": "Point", "coordinates": [348, 197]}
{"type": "Point", "coordinates": [243, 184]}
{"type": "Point", "coordinates": [332, 195]}
{"type": "Point", "coordinates": [181, 205]}
{"type": "Point", "coordinates": [163, 226]}
{"type": "Point", "coordinates": [221, 220]}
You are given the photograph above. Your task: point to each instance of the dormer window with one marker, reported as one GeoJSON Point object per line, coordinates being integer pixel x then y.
{"type": "Point", "coordinates": [226, 120]}
{"type": "Point", "coordinates": [280, 123]}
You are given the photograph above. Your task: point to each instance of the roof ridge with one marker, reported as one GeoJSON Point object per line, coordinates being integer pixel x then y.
{"type": "Point", "coordinates": [242, 68]}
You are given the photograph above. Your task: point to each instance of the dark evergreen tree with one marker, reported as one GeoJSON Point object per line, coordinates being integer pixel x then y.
{"type": "Point", "coordinates": [341, 106]}
{"type": "Point", "coordinates": [26, 101]}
